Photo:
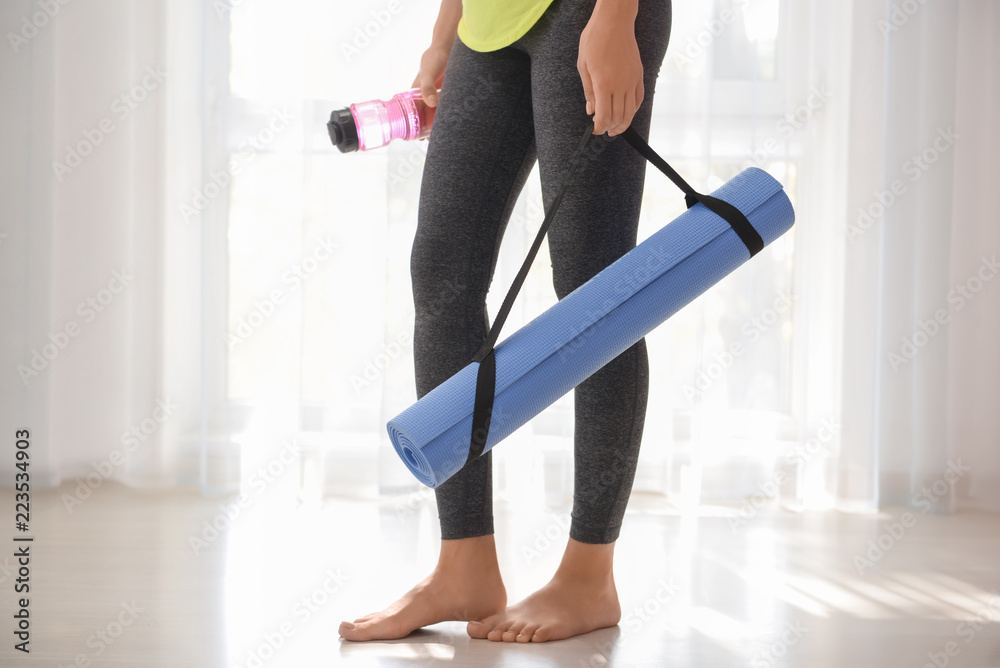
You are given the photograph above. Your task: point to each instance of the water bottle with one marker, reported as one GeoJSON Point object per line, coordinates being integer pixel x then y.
{"type": "Point", "coordinates": [367, 125]}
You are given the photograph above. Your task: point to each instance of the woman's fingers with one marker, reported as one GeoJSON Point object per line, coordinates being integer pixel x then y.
{"type": "Point", "coordinates": [428, 91]}
{"type": "Point", "coordinates": [431, 75]}
{"type": "Point", "coordinates": [629, 107]}
{"type": "Point", "coordinates": [602, 111]}
{"type": "Point", "coordinates": [611, 72]}
{"type": "Point", "coordinates": [588, 88]}
{"type": "Point", "coordinates": [620, 113]}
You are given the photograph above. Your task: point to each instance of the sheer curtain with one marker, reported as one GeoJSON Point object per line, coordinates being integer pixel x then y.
{"type": "Point", "coordinates": [919, 305]}
{"type": "Point", "coordinates": [101, 291]}
{"type": "Point", "coordinates": [261, 313]}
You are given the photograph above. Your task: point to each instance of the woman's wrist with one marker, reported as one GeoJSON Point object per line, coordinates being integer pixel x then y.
{"type": "Point", "coordinates": [617, 11]}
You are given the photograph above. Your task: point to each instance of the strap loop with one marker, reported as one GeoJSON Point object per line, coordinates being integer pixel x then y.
{"type": "Point", "coordinates": [746, 232]}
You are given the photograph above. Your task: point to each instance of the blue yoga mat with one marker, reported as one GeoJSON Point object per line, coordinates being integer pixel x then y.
{"type": "Point", "coordinates": [588, 328]}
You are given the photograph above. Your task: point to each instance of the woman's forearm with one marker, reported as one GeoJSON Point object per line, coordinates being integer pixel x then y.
{"type": "Point", "coordinates": [435, 59]}
{"type": "Point", "coordinates": [610, 65]}
{"type": "Point", "coordinates": [446, 26]}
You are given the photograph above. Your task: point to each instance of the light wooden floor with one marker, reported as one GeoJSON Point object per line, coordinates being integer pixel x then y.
{"type": "Point", "coordinates": [271, 589]}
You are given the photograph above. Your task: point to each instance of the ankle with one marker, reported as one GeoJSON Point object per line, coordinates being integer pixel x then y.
{"type": "Point", "coordinates": [587, 563]}
{"type": "Point", "coordinates": [479, 552]}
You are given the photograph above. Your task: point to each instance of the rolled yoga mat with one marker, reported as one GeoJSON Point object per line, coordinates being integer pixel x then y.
{"type": "Point", "coordinates": [588, 328]}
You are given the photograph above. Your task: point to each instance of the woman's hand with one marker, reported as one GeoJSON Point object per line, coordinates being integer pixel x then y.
{"type": "Point", "coordinates": [610, 66]}
{"type": "Point", "coordinates": [431, 74]}
{"type": "Point", "coordinates": [435, 59]}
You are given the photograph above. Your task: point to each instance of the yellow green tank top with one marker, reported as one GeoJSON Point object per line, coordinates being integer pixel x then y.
{"type": "Point", "coordinates": [488, 25]}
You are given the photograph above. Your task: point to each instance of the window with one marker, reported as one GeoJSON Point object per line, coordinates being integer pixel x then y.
{"type": "Point", "coordinates": [317, 304]}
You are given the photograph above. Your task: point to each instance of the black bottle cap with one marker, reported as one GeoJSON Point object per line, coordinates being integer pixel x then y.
{"type": "Point", "coordinates": [343, 131]}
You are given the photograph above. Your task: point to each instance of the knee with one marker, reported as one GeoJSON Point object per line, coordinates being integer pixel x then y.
{"type": "Point", "coordinates": [567, 275]}
{"type": "Point", "coordinates": [436, 291]}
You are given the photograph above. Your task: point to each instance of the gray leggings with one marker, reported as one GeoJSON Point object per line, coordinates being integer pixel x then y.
{"type": "Point", "coordinates": [498, 113]}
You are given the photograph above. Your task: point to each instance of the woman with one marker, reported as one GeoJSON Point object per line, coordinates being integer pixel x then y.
{"type": "Point", "coordinates": [522, 78]}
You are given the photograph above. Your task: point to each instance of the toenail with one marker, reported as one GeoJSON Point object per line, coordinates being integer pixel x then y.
{"type": "Point", "coordinates": [347, 625]}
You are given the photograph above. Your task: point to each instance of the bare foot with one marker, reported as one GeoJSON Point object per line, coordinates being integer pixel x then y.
{"type": "Point", "coordinates": [581, 597]}
{"type": "Point", "coordinates": [465, 585]}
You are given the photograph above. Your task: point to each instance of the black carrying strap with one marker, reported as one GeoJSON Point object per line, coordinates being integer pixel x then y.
{"type": "Point", "coordinates": [746, 232]}
{"type": "Point", "coordinates": [482, 411]}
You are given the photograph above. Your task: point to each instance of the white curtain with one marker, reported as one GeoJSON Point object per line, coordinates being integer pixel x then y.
{"type": "Point", "coordinates": [100, 286]}
{"type": "Point", "coordinates": [920, 310]}
{"type": "Point", "coordinates": [240, 291]}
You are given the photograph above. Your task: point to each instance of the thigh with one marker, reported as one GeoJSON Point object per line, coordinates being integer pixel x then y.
{"type": "Point", "coordinates": [599, 215]}
{"type": "Point", "coordinates": [480, 153]}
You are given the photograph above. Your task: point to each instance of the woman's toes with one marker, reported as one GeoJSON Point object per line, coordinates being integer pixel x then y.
{"type": "Point", "coordinates": [353, 631]}
{"type": "Point", "coordinates": [542, 634]}
{"type": "Point", "coordinates": [524, 635]}
{"type": "Point", "coordinates": [510, 635]}
{"type": "Point", "coordinates": [477, 630]}
{"type": "Point", "coordinates": [484, 627]}
{"type": "Point", "coordinates": [499, 629]}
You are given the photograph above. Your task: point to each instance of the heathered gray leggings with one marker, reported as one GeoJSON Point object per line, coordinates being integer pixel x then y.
{"type": "Point", "coordinates": [498, 113]}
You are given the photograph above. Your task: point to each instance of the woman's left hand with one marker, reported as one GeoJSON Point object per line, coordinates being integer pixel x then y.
{"type": "Point", "coordinates": [610, 66]}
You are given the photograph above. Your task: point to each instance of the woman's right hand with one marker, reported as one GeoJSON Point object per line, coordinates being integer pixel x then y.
{"type": "Point", "coordinates": [435, 59]}
{"type": "Point", "coordinates": [431, 74]}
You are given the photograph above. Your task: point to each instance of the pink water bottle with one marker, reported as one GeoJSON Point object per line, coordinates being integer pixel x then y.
{"type": "Point", "coordinates": [367, 125]}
